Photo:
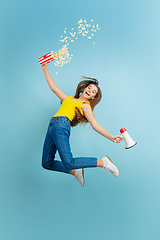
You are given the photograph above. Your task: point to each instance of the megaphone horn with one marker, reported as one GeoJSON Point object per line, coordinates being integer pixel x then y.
{"type": "Point", "coordinates": [128, 140]}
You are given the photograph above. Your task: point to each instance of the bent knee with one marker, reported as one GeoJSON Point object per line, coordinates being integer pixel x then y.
{"type": "Point", "coordinates": [44, 165]}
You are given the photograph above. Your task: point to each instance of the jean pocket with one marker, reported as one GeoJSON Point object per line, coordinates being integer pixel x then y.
{"type": "Point", "coordinates": [59, 122]}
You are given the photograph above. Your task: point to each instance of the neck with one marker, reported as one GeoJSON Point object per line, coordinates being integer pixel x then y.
{"type": "Point", "coordinates": [81, 98]}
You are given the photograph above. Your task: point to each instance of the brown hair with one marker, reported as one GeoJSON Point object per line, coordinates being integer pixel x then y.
{"type": "Point", "coordinates": [79, 118]}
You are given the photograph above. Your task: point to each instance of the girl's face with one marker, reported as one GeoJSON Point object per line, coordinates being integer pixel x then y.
{"type": "Point", "coordinates": [90, 91]}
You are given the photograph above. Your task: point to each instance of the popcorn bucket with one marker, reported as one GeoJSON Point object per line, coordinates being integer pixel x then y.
{"type": "Point", "coordinates": [46, 58]}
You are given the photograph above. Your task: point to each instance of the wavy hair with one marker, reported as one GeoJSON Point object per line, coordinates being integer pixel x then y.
{"type": "Point", "coordinates": [79, 118]}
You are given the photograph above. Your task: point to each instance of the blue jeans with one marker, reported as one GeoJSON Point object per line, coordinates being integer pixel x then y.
{"type": "Point", "coordinates": [57, 138]}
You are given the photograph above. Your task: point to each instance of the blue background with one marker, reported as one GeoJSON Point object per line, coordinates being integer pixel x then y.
{"type": "Point", "coordinates": [40, 204]}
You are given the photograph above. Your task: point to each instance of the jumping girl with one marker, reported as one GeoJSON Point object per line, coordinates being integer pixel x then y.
{"type": "Point", "coordinates": [74, 110]}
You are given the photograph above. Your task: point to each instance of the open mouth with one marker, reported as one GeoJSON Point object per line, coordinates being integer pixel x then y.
{"type": "Point", "coordinates": [87, 94]}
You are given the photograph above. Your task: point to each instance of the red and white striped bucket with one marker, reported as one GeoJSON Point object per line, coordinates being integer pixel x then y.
{"type": "Point", "coordinates": [46, 58]}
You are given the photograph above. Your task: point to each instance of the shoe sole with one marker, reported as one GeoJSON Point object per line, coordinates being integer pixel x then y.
{"type": "Point", "coordinates": [114, 165]}
{"type": "Point", "coordinates": [83, 177]}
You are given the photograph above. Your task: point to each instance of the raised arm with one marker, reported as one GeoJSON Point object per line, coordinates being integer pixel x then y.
{"type": "Point", "coordinates": [52, 84]}
{"type": "Point", "coordinates": [96, 126]}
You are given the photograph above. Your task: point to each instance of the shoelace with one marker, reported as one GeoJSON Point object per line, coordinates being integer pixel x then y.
{"type": "Point", "coordinates": [106, 168]}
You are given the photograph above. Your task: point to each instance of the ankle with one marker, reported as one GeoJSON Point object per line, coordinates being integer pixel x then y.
{"type": "Point", "coordinates": [73, 172]}
{"type": "Point", "coordinates": [100, 163]}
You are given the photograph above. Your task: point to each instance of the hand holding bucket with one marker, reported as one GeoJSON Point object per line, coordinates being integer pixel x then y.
{"type": "Point", "coordinates": [47, 58]}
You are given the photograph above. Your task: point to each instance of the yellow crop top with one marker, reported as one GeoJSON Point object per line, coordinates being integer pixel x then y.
{"type": "Point", "coordinates": [68, 107]}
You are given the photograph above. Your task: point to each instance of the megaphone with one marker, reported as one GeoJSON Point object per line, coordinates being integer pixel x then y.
{"type": "Point", "coordinates": [128, 140]}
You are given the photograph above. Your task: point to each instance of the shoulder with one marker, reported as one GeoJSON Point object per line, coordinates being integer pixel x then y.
{"type": "Point", "coordinates": [68, 97]}
{"type": "Point", "coordinates": [86, 106]}
{"type": "Point", "coordinates": [87, 111]}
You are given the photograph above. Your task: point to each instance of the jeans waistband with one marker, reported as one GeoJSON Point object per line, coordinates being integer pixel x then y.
{"type": "Point", "coordinates": [62, 118]}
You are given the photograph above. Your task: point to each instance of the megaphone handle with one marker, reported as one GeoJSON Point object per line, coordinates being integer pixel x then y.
{"type": "Point", "coordinates": [115, 140]}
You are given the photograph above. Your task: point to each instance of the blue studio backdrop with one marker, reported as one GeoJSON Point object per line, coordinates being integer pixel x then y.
{"type": "Point", "coordinates": [40, 204]}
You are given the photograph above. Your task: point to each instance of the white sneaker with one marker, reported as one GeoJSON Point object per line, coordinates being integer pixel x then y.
{"type": "Point", "coordinates": [79, 175]}
{"type": "Point", "coordinates": [110, 166]}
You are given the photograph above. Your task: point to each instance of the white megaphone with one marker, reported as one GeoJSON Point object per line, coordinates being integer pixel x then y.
{"type": "Point", "coordinates": [128, 140]}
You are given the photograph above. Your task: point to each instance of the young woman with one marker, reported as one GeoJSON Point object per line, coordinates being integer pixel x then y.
{"type": "Point", "coordinates": [74, 110]}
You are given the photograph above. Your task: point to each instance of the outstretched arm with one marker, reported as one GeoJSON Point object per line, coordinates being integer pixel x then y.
{"type": "Point", "coordinates": [96, 126]}
{"type": "Point", "coordinates": [52, 84]}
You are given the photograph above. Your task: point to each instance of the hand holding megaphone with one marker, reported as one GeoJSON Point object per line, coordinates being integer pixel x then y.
{"type": "Point", "coordinates": [128, 140]}
{"type": "Point", "coordinates": [117, 139]}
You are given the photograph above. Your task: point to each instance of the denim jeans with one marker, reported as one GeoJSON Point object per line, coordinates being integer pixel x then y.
{"type": "Point", "coordinates": [57, 138]}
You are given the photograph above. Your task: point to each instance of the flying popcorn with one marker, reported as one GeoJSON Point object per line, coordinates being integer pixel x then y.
{"type": "Point", "coordinates": [62, 56]}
